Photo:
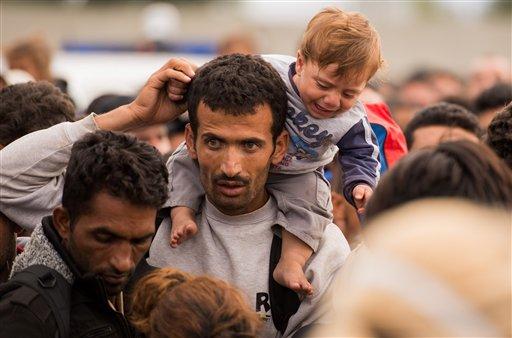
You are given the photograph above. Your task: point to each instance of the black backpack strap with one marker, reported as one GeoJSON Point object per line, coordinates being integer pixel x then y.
{"type": "Point", "coordinates": [284, 302]}
{"type": "Point", "coordinates": [40, 281]}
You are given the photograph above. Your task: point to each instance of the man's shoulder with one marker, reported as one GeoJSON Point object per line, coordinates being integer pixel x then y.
{"type": "Point", "coordinates": [37, 295]}
{"type": "Point", "coordinates": [25, 312]}
{"type": "Point", "coordinates": [333, 249]}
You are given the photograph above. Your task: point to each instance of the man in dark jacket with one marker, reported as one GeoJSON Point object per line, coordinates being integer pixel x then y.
{"type": "Point", "coordinates": [103, 190]}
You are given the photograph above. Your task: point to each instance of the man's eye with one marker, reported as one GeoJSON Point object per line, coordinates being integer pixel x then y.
{"type": "Point", "coordinates": [141, 241]}
{"type": "Point", "coordinates": [102, 238]}
{"type": "Point", "coordinates": [213, 143]}
{"type": "Point", "coordinates": [251, 146]}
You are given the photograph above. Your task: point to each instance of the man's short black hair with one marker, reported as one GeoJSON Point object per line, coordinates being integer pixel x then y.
{"type": "Point", "coordinates": [499, 135]}
{"type": "Point", "coordinates": [237, 84]}
{"type": "Point", "coordinates": [496, 97]}
{"type": "Point", "coordinates": [31, 106]}
{"type": "Point", "coordinates": [107, 102]}
{"type": "Point", "coordinates": [461, 169]}
{"type": "Point", "coordinates": [443, 114]}
{"type": "Point", "coordinates": [117, 164]}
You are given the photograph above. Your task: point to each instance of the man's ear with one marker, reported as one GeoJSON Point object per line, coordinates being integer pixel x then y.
{"type": "Point", "coordinates": [190, 141]}
{"type": "Point", "coordinates": [62, 222]}
{"type": "Point", "coordinates": [281, 147]}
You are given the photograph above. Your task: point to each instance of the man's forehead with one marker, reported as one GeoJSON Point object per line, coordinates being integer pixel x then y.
{"type": "Point", "coordinates": [259, 119]}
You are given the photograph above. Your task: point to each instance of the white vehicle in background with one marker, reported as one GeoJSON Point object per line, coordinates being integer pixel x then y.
{"type": "Point", "coordinates": [90, 75]}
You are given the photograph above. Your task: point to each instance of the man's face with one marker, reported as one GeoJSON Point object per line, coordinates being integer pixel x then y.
{"type": "Point", "coordinates": [234, 154]}
{"type": "Point", "coordinates": [155, 135]}
{"type": "Point", "coordinates": [430, 136]}
{"type": "Point", "coordinates": [109, 240]}
{"type": "Point", "coordinates": [324, 93]}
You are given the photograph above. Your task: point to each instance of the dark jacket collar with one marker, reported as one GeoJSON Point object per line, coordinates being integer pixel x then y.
{"type": "Point", "coordinates": [91, 285]}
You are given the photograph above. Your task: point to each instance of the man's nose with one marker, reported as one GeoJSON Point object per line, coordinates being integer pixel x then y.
{"type": "Point", "coordinates": [122, 258]}
{"type": "Point", "coordinates": [231, 165]}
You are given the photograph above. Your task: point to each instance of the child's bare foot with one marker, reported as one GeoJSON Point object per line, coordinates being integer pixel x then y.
{"type": "Point", "coordinates": [181, 232]}
{"type": "Point", "coordinates": [289, 273]}
{"type": "Point", "coordinates": [183, 225]}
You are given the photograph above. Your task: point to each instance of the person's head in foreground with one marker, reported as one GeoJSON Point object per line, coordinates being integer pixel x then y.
{"type": "Point", "coordinates": [491, 101]}
{"type": "Point", "coordinates": [459, 169]}
{"type": "Point", "coordinates": [27, 107]}
{"type": "Point", "coordinates": [236, 129]}
{"type": "Point", "coordinates": [339, 53]}
{"type": "Point", "coordinates": [434, 268]}
{"type": "Point", "coordinates": [440, 123]}
{"type": "Point", "coordinates": [169, 303]}
{"type": "Point", "coordinates": [113, 187]}
{"type": "Point", "coordinates": [499, 135]}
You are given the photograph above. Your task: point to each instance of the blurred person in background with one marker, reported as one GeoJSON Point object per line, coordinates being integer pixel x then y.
{"type": "Point", "coordinates": [31, 106]}
{"type": "Point", "coordinates": [166, 303]}
{"type": "Point", "coordinates": [491, 101]}
{"type": "Point", "coordinates": [413, 94]}
{"type": "Point", "coordinates": [25, 108]}
{"type": "Point", "coordinates": [156, 135]}
{"type": "Point", "coordinates": [446, 83]}
{"type": "Point", "coordinates": [14, 76]}
{"type": "Point", "coordinates": [461, 169]}
{"type": "Point", "coordinates": [485, 72]}
{"type": "Point", "coordinates": [499, 135]}
{"type": "Point", "coordinates": [241, 42]}
{"type": "Point", "coordinates": [440, 123]}
{"type": "Point", "coordinates": [34, 56]}
{"type": "Point", "coordinates": [433, 268]}
{"type": "Point", "coordinates": [424, 87]}
{"type": "Point", "coordinates": [421, 274]}
{"type": "Point", "coordinates": [176, 132]}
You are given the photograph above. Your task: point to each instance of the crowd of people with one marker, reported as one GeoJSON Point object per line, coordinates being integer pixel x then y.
{"type": "Point", "coordinates": [258, 196]}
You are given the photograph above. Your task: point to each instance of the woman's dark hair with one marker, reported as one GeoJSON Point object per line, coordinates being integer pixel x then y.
{"type": "Point", "coordinates": [499, 135]}
{"type": "Point", "coordinates": [117, 164]}
{"type": "Point", "coordinates": [453, 169]}
{"type": "Point", "coordinates": [237, 84]}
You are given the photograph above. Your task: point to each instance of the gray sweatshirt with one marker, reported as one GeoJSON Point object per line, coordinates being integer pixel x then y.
{"type": "Point", "coordinates": [237, 249]}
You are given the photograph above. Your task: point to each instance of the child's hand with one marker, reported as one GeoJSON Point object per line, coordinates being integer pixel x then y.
{"type": "Point", "coordinates": [176, 87]}
{"type": "Point", "coordinates": [361, 195]}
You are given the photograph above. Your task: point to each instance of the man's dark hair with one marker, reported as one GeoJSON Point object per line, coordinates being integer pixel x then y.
{"type": "Point", "coordinates": [237, 84]}
{"type": "Point", "coordinates": [27, 107]}
{"type": "Point", "coordinates": [443, 114]}
{"type": "Point", "coordinates": [117, 164]}
{"type": "Point", "coordinates": [499, 135]}
{"type": "Point", "coordinates": [107, 102]}
{"type": "Point", "coordinates": [460, 169]}
{"type": "Point", "coordinates": [496, 97]}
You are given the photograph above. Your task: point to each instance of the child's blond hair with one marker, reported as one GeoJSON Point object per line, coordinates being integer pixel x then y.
{"type": "Point", "coordinates": [343, 38]}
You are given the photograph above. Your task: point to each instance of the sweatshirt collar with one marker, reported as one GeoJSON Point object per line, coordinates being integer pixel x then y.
{"type": "Point", "coordinates": [266, 212]}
